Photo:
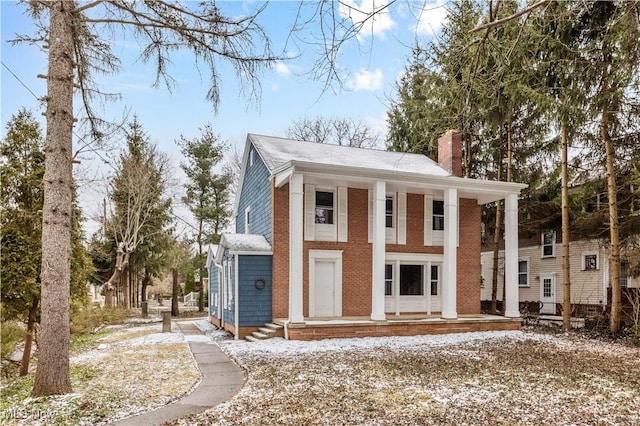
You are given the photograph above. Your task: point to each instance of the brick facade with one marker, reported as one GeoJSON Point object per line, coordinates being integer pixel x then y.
{"type": "Point", "coordinates": [357, 253]}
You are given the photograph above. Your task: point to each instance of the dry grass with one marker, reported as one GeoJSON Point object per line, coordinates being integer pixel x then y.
{"type": "Point", "coordinates": [134, 369]}
{"type": "Point", "coordinates": [516, 380]}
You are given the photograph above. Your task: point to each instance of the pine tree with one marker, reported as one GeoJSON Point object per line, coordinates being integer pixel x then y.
{"type": "Point", "coordinates": [207, 193]}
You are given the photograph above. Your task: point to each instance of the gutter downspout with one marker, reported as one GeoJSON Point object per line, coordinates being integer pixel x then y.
{"type": "Point", "coordinates": [237, 303]}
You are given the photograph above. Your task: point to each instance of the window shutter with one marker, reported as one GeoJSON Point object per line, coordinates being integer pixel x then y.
{"type": "Point", "coordinates": [309, 212]}
{"type": "Point", "coordinates": [428, 219]}
{"type": "Point", "coordinates": [370, 237]}
{"type": "Point", "coordinates": [342, 214]}
{"type": "Point", "coordinates": [402, 218]}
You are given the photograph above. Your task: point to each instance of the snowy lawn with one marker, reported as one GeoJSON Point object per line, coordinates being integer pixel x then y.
{"type": "Point", "coordinates": [135, 367]}
{"type": "Point", "coordinates": [489, 378]}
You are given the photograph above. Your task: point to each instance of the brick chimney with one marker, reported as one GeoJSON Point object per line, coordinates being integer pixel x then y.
{"type": "Point", "coordinates": [450, 152]}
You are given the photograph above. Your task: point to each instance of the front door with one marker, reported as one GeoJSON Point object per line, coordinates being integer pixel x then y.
{"type": "Point", "coordinates": [548, 295]}
{"type": "Point", "coordinates": [324, 289]}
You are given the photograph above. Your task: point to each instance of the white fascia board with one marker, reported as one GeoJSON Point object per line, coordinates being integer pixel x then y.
{"type": "Point", "coordinates": [220, 252]}
{"type": "Point", "coordinates": [283, 176]}
{"type": "Point", "coordinates": [483, 190]}
{"type": "Point", "coordinates": [243, 169]}
{"type": "Point", "coordinates": [249, 252]}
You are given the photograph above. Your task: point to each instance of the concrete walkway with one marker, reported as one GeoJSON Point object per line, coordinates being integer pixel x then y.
{"type": "Point", "coordinates": [221, 379]}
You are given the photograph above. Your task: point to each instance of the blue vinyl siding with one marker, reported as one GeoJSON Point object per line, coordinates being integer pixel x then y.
{"type": "Point", "coordinates": [255, 304]}
{"type": "Point", "coordinates": [255, 194]}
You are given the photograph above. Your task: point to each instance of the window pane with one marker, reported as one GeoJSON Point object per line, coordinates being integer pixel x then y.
{"type": "Point", "coordinates": [438, 215]}
{"type": "Point", "coordinates": [389, 212]}
{"type": "Point", "coordinates": [411, 280]}
{"type": "Point", "coordinates": [324, 207]}
{"type": "Point", "coordinates": [388, 280]}
{"type": "Point", "coordinates": [548, 250]}
{"type": "Point", "coordinates": [522, 266]}
{"type": "Point", "coordinates": [324, 215]}
{"type": "Point", "coordinates": [324, 199]}
{"type": "Point", "coordinates": [434, 280]}
{"type": "Point", "coordinates": [522, 279]}
{"type": "Point", "coordinates": [438, 223]}
{"type": "Point", "coordinates": [590, 261]}
{"type": "Point", "coordinates": [548, 238]}
{"type": "Point", "coordinates": [438, 207]}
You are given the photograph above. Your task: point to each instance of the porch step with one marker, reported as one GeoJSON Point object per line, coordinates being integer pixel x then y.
{"type": "Point", "coordinates": [268, 331]}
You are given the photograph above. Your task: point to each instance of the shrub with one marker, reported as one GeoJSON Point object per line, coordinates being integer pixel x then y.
{"type": "Point", "coordinates": [88, 319]}
{"type": "Point", "coordinates": [13, 333]}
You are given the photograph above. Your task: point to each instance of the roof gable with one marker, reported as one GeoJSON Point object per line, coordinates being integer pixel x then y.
{"type": "Point", "coordinates": [278, 152]}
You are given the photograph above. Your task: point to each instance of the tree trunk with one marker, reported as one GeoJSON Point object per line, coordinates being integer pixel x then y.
{"type": "Point", "coordinates": [145, 283]}
{"type": "Point", "coordinates": [52, 372]}
{"type": "Point", "coordinates": [566, 279]}
{"type": "Point", "coordinates": [614, 259]}
{"type": "Point", "coordinates": [31, 325]}
{"type": "Point", "coordinates": [496, 245]}
{"type": "Point", "coordinates": [174, 295]}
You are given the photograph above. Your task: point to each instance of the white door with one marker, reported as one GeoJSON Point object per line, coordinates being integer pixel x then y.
{"type": "Point", "coordinates": [324, 289]}
{"type": "Point", "coordinates": [548, 295]}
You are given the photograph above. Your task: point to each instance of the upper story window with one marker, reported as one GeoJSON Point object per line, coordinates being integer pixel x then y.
{"type": "Point", "coordinates": [247, 220]}
{"type": "Point", "coordinates": [590, 261]}
{"type": "Point", "coordinates": [523, 273]}
{"type": "Point", "coordinates": [251, 157]}
{"type": "Point", "coordinates": [549, 244]}
{"type": "Point", "coordinates": [324, 207]}
{"type": "Point", "coordinates": [438, 215]}
{"type": "Point", "coordinates": [388, 211]}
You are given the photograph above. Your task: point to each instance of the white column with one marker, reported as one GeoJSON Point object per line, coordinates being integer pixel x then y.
{"type": "Point", "coordinates": [378, 239]}
{"type": "Point", "coordinates": [449, 265]}
{"type": "Point", "coordinates": [511, 255]}
{"type": "Point", "coordinates": [295, 248]}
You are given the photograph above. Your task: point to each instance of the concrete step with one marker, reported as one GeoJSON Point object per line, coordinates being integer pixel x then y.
{"type": "Point", "coordinates": [268, 331]}
{"type": "Point", "coordinates": [273, 326]}
{"type": "Point", "coordinates": [250, 338]}
{"type": "Point", "coordinates": [259, 335]}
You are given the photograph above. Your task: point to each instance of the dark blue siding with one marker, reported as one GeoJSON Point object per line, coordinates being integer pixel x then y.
{"type": "Point", "coordinates": [255, 194]}
{"type": "Point", "coordinates": [255, 304]}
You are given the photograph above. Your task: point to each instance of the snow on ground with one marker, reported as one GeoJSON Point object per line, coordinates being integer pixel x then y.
{"type": "Point", "coordinates": [484, 378]}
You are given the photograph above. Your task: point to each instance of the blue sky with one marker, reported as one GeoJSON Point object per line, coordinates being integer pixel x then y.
{"type": "Point", "coordinates": [370, 64]}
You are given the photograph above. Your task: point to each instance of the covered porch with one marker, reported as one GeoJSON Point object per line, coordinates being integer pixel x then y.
{"type": "Point", "coordinates": [393, 325]}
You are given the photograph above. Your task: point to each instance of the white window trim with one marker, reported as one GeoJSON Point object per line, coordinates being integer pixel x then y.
{"type": "Point", "coordinates": [247, 220]}
{"type": "Point", "coordinates": [553, 245]}
{"type": "Point", "coordinates": [338, 230]}
{"type": "Point", "coordinates": [583, 264]}
{"type": "Point", "coordinates": [426, 260]}
{"type": "Point", "coordinates": [397, 234]}
{"type": "Point", "coordinates": [528, 260]}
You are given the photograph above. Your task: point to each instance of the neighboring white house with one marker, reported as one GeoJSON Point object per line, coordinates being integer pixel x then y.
{"type": "Point", "coordinates": [540, 274]}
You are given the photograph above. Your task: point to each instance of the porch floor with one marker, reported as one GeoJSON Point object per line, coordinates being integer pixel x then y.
{"type": "Point", "coordinates": [394, 325]}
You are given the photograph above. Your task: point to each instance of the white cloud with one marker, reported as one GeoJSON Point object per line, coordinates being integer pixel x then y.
{"type": "Point", "coordinates": [359, 11]}
{"type": "Point", "coordinates": [432, 17]}
{"type": "Point", "coordinates": [366, 80]}
{"type": "Point", "coordinates": [283, 69]}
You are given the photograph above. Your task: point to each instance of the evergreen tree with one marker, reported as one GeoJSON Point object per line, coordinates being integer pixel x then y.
{"type": "Point", "coordinates": [21, 174]}
{"type": "Point", "coordinates": [139, 216]}
{"type": "Point", "coordinates": [207, 193]}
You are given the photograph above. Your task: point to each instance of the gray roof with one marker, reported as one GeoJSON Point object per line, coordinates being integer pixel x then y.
{"type": "Point", "coordinates": [245, 242]}
{"type": "Point", "coordinates": [277, 152]}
